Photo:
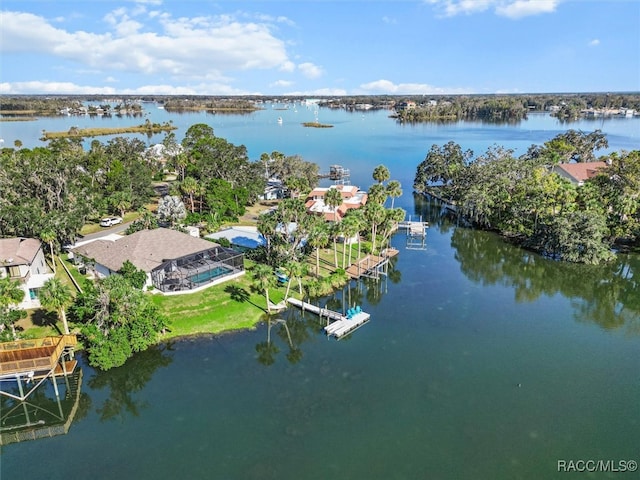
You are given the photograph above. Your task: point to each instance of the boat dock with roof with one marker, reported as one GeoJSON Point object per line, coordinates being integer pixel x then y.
{"type": "Point", "coordinates": [340, 325]}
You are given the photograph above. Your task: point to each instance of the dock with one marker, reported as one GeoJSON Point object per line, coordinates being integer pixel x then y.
{"type": "Point", "coordinates": [341, 325]}
{"type": "Point", "coordinates": [416, 233]}
{"type": "Point", "coordinates": [371, 266]}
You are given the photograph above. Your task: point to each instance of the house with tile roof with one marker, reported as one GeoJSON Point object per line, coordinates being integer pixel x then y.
{"type": "Point", "coordinates": [578, 173]}
{"type": "Point", "coordinates": [22, 259]}
{"type": "Point", "coordinates": [175, 262]}
{"type": "Point", "coordinates": [352, 197]}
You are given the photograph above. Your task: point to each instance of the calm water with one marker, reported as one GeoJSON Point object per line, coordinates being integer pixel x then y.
{"type": "Point", "coordinates": [481, 361]}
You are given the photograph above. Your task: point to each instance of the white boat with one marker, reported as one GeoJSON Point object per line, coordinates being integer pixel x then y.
{"type": "Point", "coordinates": [279, 119]}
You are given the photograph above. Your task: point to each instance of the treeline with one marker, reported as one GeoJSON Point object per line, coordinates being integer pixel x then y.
{"type": "Point", "coordinates": [492, 109]}
{"type": "Point", "coordinates": [39, 105]}
{"type": "Point", "coordinates": [217, 105]}
{"type": "Point", "coordinates": [525, 199]}
{"type": "Point", "coordinates": [60, 187]}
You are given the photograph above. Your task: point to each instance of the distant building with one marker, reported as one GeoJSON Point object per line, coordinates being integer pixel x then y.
{"type": "Point", "coordinates": [23, 259]}
{"type": "Point", "coordinates": [352, 197]}
{"type": "Point", "coordinates": [402, 106]}
{"type": "Point", "coordinates": [273, 190]}
{"type": "Point", "coordinates": [578, 173]}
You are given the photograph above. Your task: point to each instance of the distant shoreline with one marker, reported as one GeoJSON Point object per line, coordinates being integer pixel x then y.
{"type": "Point", "coordinates": [94, 132]}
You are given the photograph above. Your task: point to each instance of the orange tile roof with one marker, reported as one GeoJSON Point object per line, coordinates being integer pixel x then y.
{"type": "Point", "coordinates": [582, 171]}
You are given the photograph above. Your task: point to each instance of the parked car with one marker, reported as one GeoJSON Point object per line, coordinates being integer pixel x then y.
{"type": "Point", "coordinates": [110, 221]}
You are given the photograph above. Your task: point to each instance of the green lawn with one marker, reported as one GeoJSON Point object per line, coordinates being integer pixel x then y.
{"type": "Point", "coordinates": [232, 305]}
{"type": "Point", "coordinates": [229, 306]}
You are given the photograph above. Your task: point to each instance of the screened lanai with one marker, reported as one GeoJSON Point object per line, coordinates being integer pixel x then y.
{"type": "Point", "coordinates": [197, 269]}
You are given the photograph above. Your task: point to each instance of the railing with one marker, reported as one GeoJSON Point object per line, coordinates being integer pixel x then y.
{"type": "Point", "coordinates": [37, 354]}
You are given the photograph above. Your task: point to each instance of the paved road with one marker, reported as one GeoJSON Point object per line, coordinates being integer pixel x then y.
{"type": "Point", "coordinates": [105, 231]}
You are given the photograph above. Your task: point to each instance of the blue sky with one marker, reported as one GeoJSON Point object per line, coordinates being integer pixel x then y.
{"type": "Point", "coordinates": [318, 47]}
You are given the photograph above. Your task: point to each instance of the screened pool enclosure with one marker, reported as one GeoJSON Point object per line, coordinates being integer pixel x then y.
{"type": "Point", "coordinates": [197, 269]}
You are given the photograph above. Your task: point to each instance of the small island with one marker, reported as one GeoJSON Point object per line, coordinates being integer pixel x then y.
{"type": "Point", "coordinates": [147, 127]}
{"type": "Point", "coordinates": [316, 125]}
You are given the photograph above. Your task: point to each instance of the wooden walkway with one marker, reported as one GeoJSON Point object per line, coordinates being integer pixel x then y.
{"type": "Point", "coordinates": [371, 264]}
{"type": "Point", "coordinates": [341, 325]}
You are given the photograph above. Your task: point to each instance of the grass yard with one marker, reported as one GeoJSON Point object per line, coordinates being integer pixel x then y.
{"type": "Point", "coordinates": [229, 306]}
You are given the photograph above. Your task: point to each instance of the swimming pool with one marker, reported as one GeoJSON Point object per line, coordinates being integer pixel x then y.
{"type": "Point", "coordinates": [207, 276]}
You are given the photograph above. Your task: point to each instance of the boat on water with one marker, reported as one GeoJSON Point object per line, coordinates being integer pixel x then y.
{"type": "Point", "coordinates": [279, 119]}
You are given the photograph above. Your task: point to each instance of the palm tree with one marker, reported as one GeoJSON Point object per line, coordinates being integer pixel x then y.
{"type": "Point", "coordinates": [11, 293]}
{"type": "Point", "coordinates": [49, 236]}
{"type": "Point", "coordinates": [375, 214]}
{"type": "Point", "coordinates": [335, 230]}
{"type": "Point", "coordinates": [121, 201]}
{"type": "Point", "coordinates": [189, 186]}
{"type": "Point", "coordinates": [267, 226]}
{"type": "Point", "coordinates": [350, 227]}
{"type": "Point", "coordinates": [181, 162]}
{"type": "Point", "coordinates": [263, 279]}
{"type": "Point", "coordinates": [377, 194]}
{"type": "Point", "coordinates": [392, 218]}
{"type": "Point", "coordinates": [381, 174]}
{"type": "Point", "coordinates": [333, 199]}
{"type": "Point", "coordinates": [394, 190]}
{"type": "Point", "coordinates": [318, 238]}
{"type": "Point", "coordinates": [360, 221]}
{"type": "Point", "coordinates": [294, 269]}
{"type": "Point", "coordinates": [55, 295]}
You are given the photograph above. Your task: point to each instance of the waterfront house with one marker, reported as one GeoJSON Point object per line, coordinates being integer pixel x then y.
{"type": "Point", "coordinates": [402, 106]}
{"type": "Point", "coordinates": [175, 262]}
{"type": "Point", "coordinates": [578, 173]}
{"type": "Point", "coordinates": [23, 259]}
{"type": "Point", "coordinates": [352, 197]}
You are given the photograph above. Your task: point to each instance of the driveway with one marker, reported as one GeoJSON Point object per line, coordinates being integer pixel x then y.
{"type": "Point", "coordinates": [104, 232]}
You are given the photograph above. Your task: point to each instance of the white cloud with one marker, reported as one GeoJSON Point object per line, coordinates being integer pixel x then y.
{"type": "Point", "coordinates": [595, 42]}
{"type": "Point", "coordinates": [524, 8]}
{"type": "Point", "coordinates": [288, 66]}
{"type": "Point", "coordinates": [389, 20]}
{"type": "Point", "coordinates": [506, 8]}
{"type": "Point", "coordinates": [451, 8]}
{"type": "Point", "coordinates": [69, 88]}
{"type": "Point", "coordinates": [61, 88]}
{"type": "Point", "coordinates": [310, 70]}
{"type": "Point", "coordinates": [286, 21]}
{"type": "Point", "coordinates": [388, 87]}
{"type": "Point", "coordinates": [320, 92]}
{"type": "Point", "coordinates": [189, 48]}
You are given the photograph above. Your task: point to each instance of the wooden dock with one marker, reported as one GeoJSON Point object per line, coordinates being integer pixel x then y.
{"type": "Point", "coordinates": [341, 325]}
{"type": "Point", "coordinates": [371, 265]}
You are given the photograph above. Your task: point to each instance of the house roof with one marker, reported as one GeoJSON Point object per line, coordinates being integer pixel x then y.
{"type": "Point", "coordinates": [146, 249]}
{"type": "Point", "coordinates": [18, 251]}
{"type": "Point", "coordinates": [352, 197]}
{"type": "Point", "coordinates": [579, 172]}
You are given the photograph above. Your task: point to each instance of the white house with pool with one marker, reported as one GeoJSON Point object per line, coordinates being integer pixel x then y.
{"type": "Point", "coordinates": [174, 262]}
